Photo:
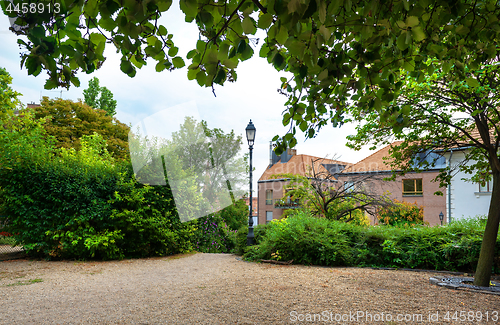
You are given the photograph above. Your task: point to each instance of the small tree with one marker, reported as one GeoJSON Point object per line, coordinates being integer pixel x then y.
{"type": "Point", "coordinates": [69, 121]}
{"type": "Point", "coordinates": [326, 195]}
{"type": "Point", "coordinates": [8, 97]}
{"type": "Point", "coordinates": [99, 97]}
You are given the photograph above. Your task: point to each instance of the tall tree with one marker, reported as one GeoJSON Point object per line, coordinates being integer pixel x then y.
{"type": "Point", "coordinates": [155, 162]}
{"type": "Point", "coordinates": [201, 165]}
{"type": "Point", "coordinates": [211, 154]}
{"type": "Point", "coordinates": [69, 121]}
{"type": "Point", "coordinates": [99, 97]}
{"type": "Point", "coordinates": [446, 114]}
{"type": "Point", "coordinates": [338, 51]}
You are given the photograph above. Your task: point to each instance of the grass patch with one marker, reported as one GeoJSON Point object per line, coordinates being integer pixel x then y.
{"type": "Point", "coordinates": [23, 283]}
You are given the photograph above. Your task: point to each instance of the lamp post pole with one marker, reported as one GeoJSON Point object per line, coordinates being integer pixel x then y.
{"type": "Point", "coordinates": [250, 131]}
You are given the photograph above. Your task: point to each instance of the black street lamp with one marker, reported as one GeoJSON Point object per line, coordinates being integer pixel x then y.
{"type": "Point", "coordinates": [250, 130]}
{"type": "Point", "coordinates": [441, 217]}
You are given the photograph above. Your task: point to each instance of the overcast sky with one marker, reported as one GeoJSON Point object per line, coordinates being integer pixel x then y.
{"type": "Point", "coordinates": [254, 96]}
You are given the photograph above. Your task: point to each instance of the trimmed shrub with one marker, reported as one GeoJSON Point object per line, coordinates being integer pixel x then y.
{"type": "Point", "coordinates": [307, 240]}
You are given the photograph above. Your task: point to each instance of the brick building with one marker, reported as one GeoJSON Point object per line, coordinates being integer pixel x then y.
{"type": "Point", "coordinates": [255, 209]}
{"type": "Point", "coordinates": [413, 187]}
{"type": "Point", "coordinates": [272, 200]}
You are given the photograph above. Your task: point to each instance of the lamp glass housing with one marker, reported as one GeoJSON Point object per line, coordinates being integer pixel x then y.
{"type": "Point", "coordinates": [250, 130]}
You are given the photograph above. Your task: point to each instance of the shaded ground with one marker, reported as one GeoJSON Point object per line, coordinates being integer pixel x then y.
{"type": "Point", "coordinates": [219, 289]}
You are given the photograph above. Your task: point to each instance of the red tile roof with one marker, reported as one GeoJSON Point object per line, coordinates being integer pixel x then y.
{"type": "Point", "coordinates": [299, 164]}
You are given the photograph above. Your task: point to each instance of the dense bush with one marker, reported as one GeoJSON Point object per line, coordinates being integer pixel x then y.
{"type": "Point", "coordinates": [235, 215]}
{"type": "Point", "coordinates": [310, 240]}
{"type": "Point", "coordinates": [401, 214]}
{"type": "Point", "coordinates": [217, 233]}
{"type": "Point", "coordinates": [148, 220]}
{"type": "Point", "coordinates": [213, 235]}
{"type": "Point", "coordinates": [63, 203]}
{"type": "Point", "coordinates": [240, 238]}
{"type": "Point", "coordinates": [307, 240]}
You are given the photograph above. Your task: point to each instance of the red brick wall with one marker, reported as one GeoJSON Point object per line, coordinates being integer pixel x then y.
{"type": "Point", "coordinates": [254, 205]}
{"type": "Point", "coordinates": [433, 204]}
{"type": "Point", "coordinates": [277, 187]}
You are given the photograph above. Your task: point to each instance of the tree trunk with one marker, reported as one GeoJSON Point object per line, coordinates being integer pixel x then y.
{"type": "Point", "coordinates": [486, 257]}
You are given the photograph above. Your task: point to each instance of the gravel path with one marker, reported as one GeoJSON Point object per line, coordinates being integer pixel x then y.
{"type": "Point", "coordinates": [219, 289]}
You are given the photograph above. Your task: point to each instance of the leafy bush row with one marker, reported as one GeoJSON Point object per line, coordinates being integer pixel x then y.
{"type": "Point", "coordinates": [318, 241]}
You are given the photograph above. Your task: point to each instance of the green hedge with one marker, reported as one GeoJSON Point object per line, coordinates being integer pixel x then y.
{"type": "Point", "coordinates": [81, 204]}
{"type": "Point", "coordinates": [318, 241]}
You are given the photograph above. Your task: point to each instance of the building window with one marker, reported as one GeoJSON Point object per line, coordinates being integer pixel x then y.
{"type": "Point", "coordinates": [412, 187]}
{"type": "Point", "coordinates": [487, 188]}
{"type": "Point", "coordinates": [269, 197]}
{"type": "Point", "coordinates": [348, 186]}
{"type": "Point", "coordinates": [353, 186]}
{"type": "Point", "coordinates": [269, 216]}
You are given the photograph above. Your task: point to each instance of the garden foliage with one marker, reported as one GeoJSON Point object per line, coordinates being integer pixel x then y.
{"type": "Point", "coordinates": [401, 214]}
{"type": "Point", "coordinates": [235, 215]}
{"type": "Point", "coordinates": [67, 203]}
{"type": "Point", "coordinates": [83, 203]}
{"type": "Point", "coordinates": [318, 241]}
{"type": "Point", "coordinates": [219, 232]}
{"type": "Point", "coordinates": [214, 235]}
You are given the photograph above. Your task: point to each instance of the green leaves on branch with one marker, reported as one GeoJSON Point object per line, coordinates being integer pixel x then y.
{"type": "Point", "coordinates": [340, 53]}
{"type": "Point", "coordinates": [72, 36]}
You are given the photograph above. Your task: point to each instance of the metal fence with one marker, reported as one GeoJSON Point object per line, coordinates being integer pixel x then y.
{"type": "Point", "coordinates": [7, 252]}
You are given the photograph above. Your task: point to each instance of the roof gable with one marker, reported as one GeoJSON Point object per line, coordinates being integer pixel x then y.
{"type": "Point", "coordinates": [374, 162]}
{"type": "Point", "coordinates": [299, 165]}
